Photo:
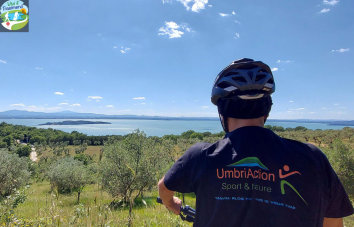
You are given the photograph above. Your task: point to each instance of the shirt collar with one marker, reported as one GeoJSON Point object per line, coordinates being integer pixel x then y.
{"type": "Point", "coordinates": [242, 130]}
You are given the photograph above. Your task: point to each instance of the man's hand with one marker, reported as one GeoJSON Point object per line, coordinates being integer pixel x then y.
{"type": "Point", "coordinates": [174, 205]}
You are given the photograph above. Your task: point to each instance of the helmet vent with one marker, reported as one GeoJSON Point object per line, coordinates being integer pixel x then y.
{"type": "Point", "coordinates": [239, 79]}
{"type": "Point", "coordinates": [224, 84]}
{"type": "Point", "coordinates": [231, 74]}
{"type": "Point", "coordinates": [262, 71]}
{"type": "Point", "coordinates": [271, 81]}
{"type": "Point", "coordinates": [260, 77]}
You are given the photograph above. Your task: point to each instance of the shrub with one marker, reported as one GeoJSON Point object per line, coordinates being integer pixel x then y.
{"type": "Point", "coordinates": [132, 165]}
{"type": "Point", "coordinates": [24, 151]}
{"type": "Point", "coordinates": [68, 175]}
{"type": "Point", "coordinates": [13, 172]}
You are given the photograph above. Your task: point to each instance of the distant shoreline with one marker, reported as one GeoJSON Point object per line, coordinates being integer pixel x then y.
{"type": "Point", "coordinates": [76, 123]}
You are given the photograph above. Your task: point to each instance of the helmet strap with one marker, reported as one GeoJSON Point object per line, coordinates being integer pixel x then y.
{"type": "Point", "coordinates": [223, 119]}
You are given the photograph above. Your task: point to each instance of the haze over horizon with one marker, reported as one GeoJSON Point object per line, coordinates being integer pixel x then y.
{"type": "Point", "coordinates": [127, 60]}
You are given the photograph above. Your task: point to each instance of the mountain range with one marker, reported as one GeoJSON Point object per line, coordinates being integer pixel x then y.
{"type": "Point", "coordinates": [23, 114]}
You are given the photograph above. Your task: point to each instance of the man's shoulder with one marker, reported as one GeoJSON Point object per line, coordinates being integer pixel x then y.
{"type": "Point", "coordinates": [202, 147]}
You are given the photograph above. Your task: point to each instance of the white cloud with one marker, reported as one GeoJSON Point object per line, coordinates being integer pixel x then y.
{"type": "Point", "coordinates": [142, 103]}
{"type": "Point", "coordinates": [341, 50]}
{"type": "Point", "coordinates": [196, 100]}
{"type": "Point", "coordinates": [342, 107]}
{"type": "Point", "coordinates": [324, 11]}
{"type": "Point", "coordinates": [210, 5]}
{"type": "Point", "coordinates": [110, 106]}
{"type": "Point", "coordinates": [58, 93]}
{"type": "Point", "coordinates": [205, 107]}
{"type": "Point", "coordinates": [233, 13]}
{"type": "Point", "coordinates": [38, 68]}
{"type": "Point", "coordinates": [63, 103]}
{"type": "Point", "coordinates": [300, 109]}
{"type": "Point", "coordinates": [237, 22]}
{"type": "Point", "coordinates": [291, 101]}
{"type": "Point", "coordinates": [237, 36]}
{"type": "Point", "coordinates": [185, 27]}
{"type": "Point", "coordinates": [115, 47]}
{"type": "Point", "coordinates": [274, 69]}
{"type": "Point", "coordinates": [224, 14]}
{"type": "Point", "coordinates": [124, 50]}
{"type": "Point", "coordinates": [99, 34]}
{"type": "Point", "coordinates": [197, 5]}
{"type": "Point", "coordinates": [280, 61]}
{"type": "Point", "coordinates": [139, 98]}
{"type": "Point", "coordinates": [77, 104]}
{"type": "Point", "coordinates": [95, 97]}
{"type": "Point", "coordinates": [98, 101]}
{"type": "Point", "coordinates": [32, 107]}
{"type": "Point", "coordinates": [173, 30]}
{"type": "Point", "coordinates": [89, 100]}
{"type": "Point", "coordinates": [336, 104]}
{"type": "Point", "coordinates": [2, 61]}
{"type": "Point", "coordinates": [84, 72]}
{"type": "Point", "coordinates": [20, 104]}
{"type": "Point", "coordinates": [71, 89]}
{"type": "Point", "coordinates": [330, 2]}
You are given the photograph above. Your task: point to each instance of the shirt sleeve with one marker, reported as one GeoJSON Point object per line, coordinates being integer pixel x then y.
{"type": "Point", "coordinates": [181, 175]}
{"type": "Point", "coordinates": [338, 205]}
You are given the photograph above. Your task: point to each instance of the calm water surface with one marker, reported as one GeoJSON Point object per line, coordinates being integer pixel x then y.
{"type": "Point", "coordinates": [150, 127]}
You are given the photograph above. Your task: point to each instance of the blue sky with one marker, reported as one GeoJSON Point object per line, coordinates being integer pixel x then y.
{"type": "Point", "coordinates": [159, 57]}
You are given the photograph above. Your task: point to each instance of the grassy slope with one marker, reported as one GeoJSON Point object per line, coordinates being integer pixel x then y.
{"type": "Point", "coordinates": [91, 150]}
{"type": "Point", "coordinates": [41, 203]}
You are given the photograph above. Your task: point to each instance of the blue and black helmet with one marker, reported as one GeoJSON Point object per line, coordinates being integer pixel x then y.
{"type": "Point", "coordinates": [243, 79]}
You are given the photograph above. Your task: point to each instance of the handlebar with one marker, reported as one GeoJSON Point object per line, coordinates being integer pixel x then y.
{"type": "Point", "coordinates": [186, 210]}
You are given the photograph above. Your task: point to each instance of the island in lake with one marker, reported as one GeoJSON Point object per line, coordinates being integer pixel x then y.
{"type": "Point", "coordinates": [77, 123]}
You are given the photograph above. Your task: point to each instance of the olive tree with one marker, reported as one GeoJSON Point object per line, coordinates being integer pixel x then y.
{"type": "Point", "coordinates": [68, 175]}
{"type": "Point", "coordinates": [13, 172]}
{"type": "Point", "coordinates": [341, 157]}
{"type": "Point", "coordinates": [132, 165]}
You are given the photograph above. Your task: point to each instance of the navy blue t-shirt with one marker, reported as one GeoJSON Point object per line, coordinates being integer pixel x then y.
{"type": "Point", "coordinates": [253, 177]}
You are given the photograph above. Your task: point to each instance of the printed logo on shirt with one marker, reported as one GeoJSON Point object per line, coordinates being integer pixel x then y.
{"type": "Point", "coordinates": [254, 168]}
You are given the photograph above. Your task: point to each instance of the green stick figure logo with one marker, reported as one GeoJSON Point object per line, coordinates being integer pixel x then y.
{"type": "Point", "coordinates": [283, 182]}
{"type": "Point", "coordinates": [14, 15]}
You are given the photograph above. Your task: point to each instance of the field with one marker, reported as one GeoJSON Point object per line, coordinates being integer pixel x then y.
{"type": "Point", "coordinates": [47, 208]}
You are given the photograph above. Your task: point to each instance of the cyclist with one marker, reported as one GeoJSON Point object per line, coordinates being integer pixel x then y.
{"type": "Point", "coordinates": [253, 177]}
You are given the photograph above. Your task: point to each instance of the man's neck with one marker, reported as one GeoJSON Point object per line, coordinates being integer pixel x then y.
{"type": "Point", "coordinates": [239, 123]}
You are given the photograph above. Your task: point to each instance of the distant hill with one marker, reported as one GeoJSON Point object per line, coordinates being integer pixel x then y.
{"type": "Point", "coordinates": [23, 114]}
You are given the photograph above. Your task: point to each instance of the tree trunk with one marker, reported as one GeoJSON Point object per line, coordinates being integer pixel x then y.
{"type": "Point", "coordinates": [78, 197]}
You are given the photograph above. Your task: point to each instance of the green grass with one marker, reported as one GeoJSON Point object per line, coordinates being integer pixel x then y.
{"type": "Point", "coordinates": [91, 150]}
{"type": "Point", "coordinates": [44, 207]}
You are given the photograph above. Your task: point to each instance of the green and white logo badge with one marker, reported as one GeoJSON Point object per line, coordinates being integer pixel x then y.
{"type": "Point", "coordinates": [14, 15]}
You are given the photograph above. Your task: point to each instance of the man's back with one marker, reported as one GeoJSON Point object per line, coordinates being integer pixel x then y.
{"type": "Point", "coordinates": [255, 178]}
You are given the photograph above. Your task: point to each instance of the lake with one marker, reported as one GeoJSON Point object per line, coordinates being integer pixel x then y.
{"type": "Point", "coordinates": [150, 127]}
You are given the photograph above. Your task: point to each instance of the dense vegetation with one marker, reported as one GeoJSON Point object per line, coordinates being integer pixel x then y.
{"type": "Point", "coordinates": [81, 180]}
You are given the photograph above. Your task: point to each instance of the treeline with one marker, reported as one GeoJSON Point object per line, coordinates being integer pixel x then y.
{"type": "Point", "coordinates": [32, 135]}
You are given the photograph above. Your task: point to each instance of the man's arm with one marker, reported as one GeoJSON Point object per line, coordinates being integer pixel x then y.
{"type": "Point", "coordinates": [333, 222]}
{"type": "Point", "coordinates": [171, 203]}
